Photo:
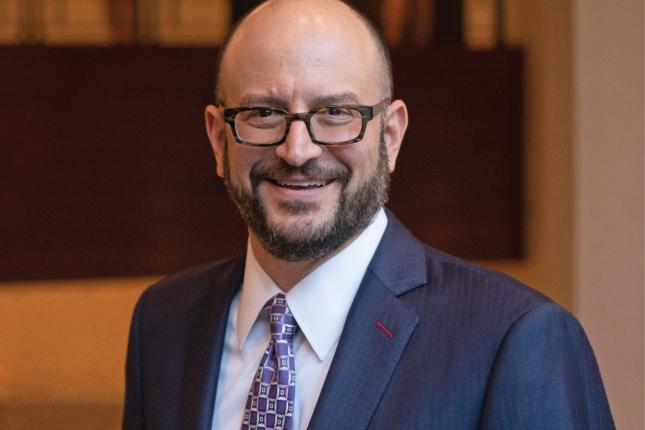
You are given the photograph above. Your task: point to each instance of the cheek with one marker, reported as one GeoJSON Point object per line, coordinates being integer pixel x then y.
{"type": "Point", "coordinates": [363, 158]}
{"type": "Point", "coordinates": [359, 166]}
{"type": "Point", "coordinates": [241, 160]}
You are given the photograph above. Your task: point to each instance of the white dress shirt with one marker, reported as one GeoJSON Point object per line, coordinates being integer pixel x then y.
{"type": "Point", "coordinates": [320, 303]}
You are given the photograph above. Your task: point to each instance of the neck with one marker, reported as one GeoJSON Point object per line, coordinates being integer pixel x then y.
{"type": "Point", "coordinates": [286, 274]}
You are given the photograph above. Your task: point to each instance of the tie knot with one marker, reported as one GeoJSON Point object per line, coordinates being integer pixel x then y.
{"type": "Point", "coordinates": [283, 324]}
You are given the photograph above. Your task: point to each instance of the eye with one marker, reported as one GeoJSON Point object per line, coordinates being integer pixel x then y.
{"type": "Point", "coordinates": [335, 110]}
{"type": "Point", "coordinates": [336, 115]}
{"type": "Point", "coordinates": [257, 113]}
{"type": "Point", "coordinates": [339, 112]}
{"type": "Point", "coordinates": [261, 118]}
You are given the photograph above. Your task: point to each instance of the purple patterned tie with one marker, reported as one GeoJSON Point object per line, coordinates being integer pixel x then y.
{"type": "Point", "coordinates": [272, 393]}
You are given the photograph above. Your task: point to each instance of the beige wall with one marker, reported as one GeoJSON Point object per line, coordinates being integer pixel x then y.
{"type": "Point", "coordinates": [543, 29]}
{"type": "Point", "coordinates": [62, 352]}
{"type": "Point", "coordinates": [65, 340]}
{"type": "Point", "coordinates": [608, 143]}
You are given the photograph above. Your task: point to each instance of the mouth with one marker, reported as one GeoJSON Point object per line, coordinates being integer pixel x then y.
{"type": "Point", "coordinates": [308, 184]}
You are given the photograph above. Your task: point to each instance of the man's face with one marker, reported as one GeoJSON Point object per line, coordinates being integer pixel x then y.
{"type": "Point", "coordinates": [302, 200]}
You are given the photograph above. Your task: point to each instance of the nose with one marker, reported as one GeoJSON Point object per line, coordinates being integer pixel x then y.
{"type": "Point", "coordinates": [298, 148]}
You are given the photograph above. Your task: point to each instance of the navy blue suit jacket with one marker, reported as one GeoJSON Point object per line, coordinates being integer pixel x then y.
{"type": "Point", "coordinates": [470, 349]}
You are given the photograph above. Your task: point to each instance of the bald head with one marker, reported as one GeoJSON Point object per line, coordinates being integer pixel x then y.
{"type": "Point", "coordinates": [315, 31]}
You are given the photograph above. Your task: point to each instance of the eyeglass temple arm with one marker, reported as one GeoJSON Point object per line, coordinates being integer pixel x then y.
{"type": "Point", "coordinates": [379, 107]}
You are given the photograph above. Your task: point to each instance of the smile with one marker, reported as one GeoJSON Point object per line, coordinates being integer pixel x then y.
{"type": "Point", "coordinates": [300, 185]}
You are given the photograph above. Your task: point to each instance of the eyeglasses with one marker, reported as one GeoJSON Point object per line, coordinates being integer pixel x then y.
{"type": "Point", "coordinates": [330, 125]}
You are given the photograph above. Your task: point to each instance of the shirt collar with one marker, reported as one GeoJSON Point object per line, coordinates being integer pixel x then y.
{"type": "Point", "coordinates": [320, 302]}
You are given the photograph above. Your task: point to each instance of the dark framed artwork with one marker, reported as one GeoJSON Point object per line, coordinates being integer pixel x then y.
{"type": "Point", "coordinates": [107, 170]}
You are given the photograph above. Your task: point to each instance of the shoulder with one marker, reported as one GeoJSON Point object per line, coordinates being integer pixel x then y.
{"type": "Point", "coordinates": [184, 288]}
{"type": "Point", "coordinates": [477, 296]}
{"type": "Point", "coordinates": [454, 276]}
{"type": "Point", "coordinates": [544, 368]}
{"type": "Point", "coordinates": [526, 358]}
{"type": "Point", "coordinates": [433, 282]}
{"type": "Point", "coordinates": [166, 309]}
{"type": "Point", "coordinates": [482, 303]}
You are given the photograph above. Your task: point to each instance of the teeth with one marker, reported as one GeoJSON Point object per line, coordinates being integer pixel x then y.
{"type": "Point", "coordinates": [308, 184]}
{"type": "Point", "coordinates": [301, 184]}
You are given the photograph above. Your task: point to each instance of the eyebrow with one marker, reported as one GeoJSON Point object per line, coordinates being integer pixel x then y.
{"type": "Point", "coordinates": [334, 99]}
{"type": "Point", "coordinates": [347, 97]}
{"type": "Point", "coordinates": [262, 100]}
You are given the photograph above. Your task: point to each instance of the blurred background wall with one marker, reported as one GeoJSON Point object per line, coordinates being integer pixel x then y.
{"type": "Point", "coordinates": [608, 195]}
{"type": "Point", "coordinates": [63, 341]}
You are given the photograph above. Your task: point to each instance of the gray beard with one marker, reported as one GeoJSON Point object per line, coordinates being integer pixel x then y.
{"type": "Point", "coordinates": [305, 243]}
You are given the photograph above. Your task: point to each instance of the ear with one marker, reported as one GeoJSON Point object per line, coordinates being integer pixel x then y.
{"type": "Point", "coordinates": [396, 122]}
{"type": "Point", "coordinates": [216, 130]}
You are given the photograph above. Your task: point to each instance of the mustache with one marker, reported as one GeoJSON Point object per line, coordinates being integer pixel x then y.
{"type": "Point", "coordinates": [312, 170]}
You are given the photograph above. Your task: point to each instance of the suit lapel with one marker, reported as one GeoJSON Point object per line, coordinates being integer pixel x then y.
{"type": "Point", "coordinates": [376, 333]}
{"type": "Point", "coordinates": [204, 343]}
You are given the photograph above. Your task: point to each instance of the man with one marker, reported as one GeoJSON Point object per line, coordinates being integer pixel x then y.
{"type": "Point", "coordinates": [337, 318]}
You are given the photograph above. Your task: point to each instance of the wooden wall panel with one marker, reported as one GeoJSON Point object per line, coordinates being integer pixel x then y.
{"type": "Point", "coordinates": [106, 170]}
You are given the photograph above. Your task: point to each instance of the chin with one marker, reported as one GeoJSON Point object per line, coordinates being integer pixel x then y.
{"type": "Point", "coordinates": [300, 224]}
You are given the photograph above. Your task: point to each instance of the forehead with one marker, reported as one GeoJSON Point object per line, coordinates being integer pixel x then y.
{"type": "Point", "coordinates": [292, 52]}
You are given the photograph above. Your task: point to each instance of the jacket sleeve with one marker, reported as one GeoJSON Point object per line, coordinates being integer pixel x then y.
{"type": "Point", "coordinates": [545, 376]}
{"type": "Point", "coordinates": [133, 417]}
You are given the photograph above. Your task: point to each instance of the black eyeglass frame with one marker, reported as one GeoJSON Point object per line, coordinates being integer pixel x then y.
{"type": "Point", "coordinates": [367, 114]}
